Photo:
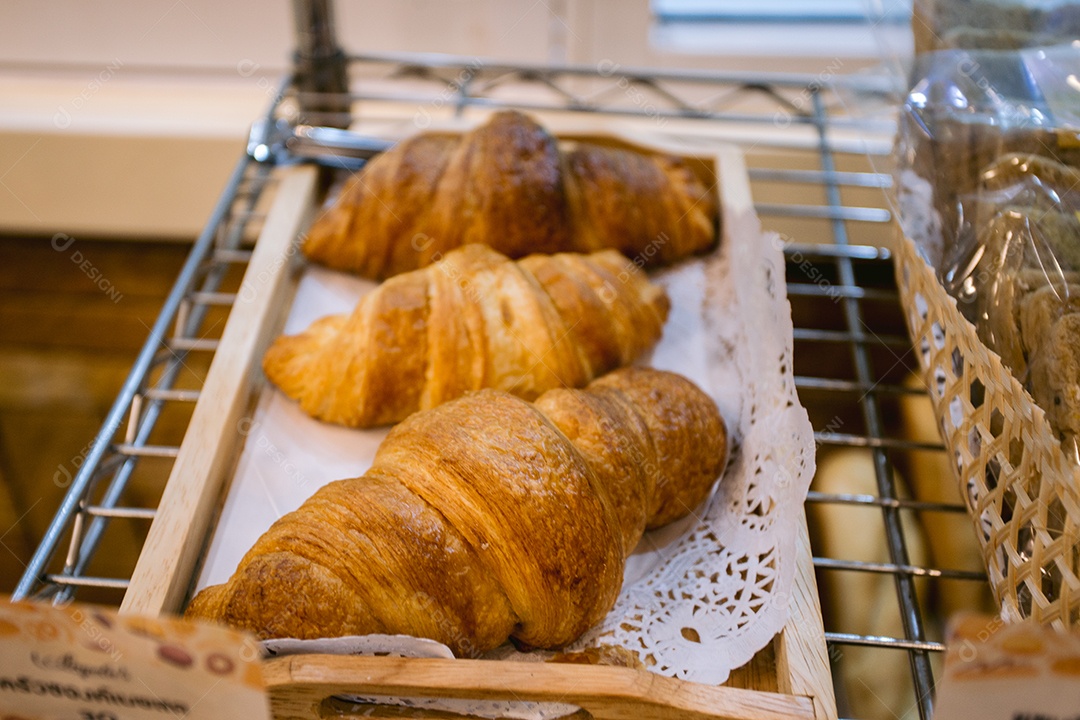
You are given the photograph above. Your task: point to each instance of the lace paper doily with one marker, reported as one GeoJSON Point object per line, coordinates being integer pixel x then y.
{"type": "Point", "coordinates": [701, 596]}
{"type": "Point", "coordinates": [720, 592]}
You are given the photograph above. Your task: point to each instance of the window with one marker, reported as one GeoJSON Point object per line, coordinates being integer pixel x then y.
{"type": "Point", "coordinates": [855, 11]}
{"type": "Point", "coordinates": [869, 31]}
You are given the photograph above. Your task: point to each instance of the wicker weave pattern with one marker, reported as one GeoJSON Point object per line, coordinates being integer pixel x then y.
{"type": "Point", "coordinates": [1021, 490]}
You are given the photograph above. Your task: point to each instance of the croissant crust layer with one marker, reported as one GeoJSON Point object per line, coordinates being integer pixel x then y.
{"type": "Point", "coordinates": [473, 320]}
{"type": "Point", "coordinates": [510, 185]}
{"type": "Point", "coordinates": [485, 518]}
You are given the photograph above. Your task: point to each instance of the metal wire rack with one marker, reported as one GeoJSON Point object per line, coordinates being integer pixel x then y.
{"type": "Point", "coordinates": [808, 158]}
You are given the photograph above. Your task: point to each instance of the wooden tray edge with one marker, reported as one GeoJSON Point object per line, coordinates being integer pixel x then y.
{"type": "Point", "coordinates": [176, 537]}
{"type": "Point", "coordinates": [298, 684]}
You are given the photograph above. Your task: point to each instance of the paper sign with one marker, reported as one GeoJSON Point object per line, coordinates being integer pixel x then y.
{"type": "Point", "coordinates": [82, 662]}
{"type": "Point", "coordinates": [1017, 671]}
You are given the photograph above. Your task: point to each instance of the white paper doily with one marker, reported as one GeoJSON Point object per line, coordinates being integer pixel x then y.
{"type": "Point", "coordinates": [701, 596]}
{"type": "Point", "coordinates": [720, 590]}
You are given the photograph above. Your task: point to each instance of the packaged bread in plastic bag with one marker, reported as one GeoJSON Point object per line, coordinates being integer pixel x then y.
{"type": "Point", "coordinates": [989, 187]}
{"type": "Point", "coordinates": [1015, 270]}
{"type": "Point", "coordinates": [993, 24]}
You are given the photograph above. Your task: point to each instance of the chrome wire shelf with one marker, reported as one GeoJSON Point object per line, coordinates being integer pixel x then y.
{"type": "Point", "coordinates": [843, 296]}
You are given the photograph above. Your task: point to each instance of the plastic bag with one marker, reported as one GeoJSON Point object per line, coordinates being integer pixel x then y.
{"type": "Point", "coordinates": [1015, 269]}
{"type": "Point", "coordinates": [989, 187]}
{"type": "Point", "coordinates": [965, 110]}
{"type": "Point", "coordinates": [993, 24]}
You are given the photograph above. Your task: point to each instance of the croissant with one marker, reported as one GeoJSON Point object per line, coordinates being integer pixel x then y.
{"type": "Point", "coordinates": [476, 319]}
{"type": "Point", "coordinates": [485, 518]}
{"type": "Point", "coordinates": [508, 184]}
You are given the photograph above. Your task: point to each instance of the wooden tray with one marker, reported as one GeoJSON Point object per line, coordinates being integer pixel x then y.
{"type": "Point", "coordinates": [790, 678]}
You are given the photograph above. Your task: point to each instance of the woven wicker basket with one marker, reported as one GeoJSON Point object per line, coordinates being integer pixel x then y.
{"type": "Point", "coordinates": [1022, 491]}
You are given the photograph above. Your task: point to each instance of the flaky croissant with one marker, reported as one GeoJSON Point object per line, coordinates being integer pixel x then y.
{"type": "Point", "coordinates": [509, 185]}
{"type": "Point", "coordinates": [473, 320]}
{"type": "Point", "coordinates": [485, 518]}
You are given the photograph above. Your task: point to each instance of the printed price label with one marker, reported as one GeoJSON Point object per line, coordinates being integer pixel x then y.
{"type": "Point", "coordinates": [1019, 671]}
{"type": "Point", "coordinates": [82, 662]}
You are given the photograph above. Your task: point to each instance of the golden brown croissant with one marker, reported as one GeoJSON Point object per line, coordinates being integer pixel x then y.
{"type": "Point", "coordinates": [507, 184]}
{"type": "Point", "coordinates": [473, 320]}
{"type": "Point", "coordinates": [485, 518]}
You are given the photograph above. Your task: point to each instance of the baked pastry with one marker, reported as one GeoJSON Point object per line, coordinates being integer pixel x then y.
{"type": "Point", "coordinates": [1050, 329]}
{"type": "Point", "coordinates": [473, 320]}
{"type": "Point", "coordinates": [485, 518]}
{"type": "Point", "coordinates": [509, 185]}
{"type": "Point", "coordinates": [875, 680]}
{"type": "Point", "coordinates": [1021, 263]}
{"type": "Point", "coordinates": [951, 539]}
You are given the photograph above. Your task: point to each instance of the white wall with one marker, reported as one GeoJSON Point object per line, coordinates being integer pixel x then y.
{"type": "Point", "coordinates": [124, 117]}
